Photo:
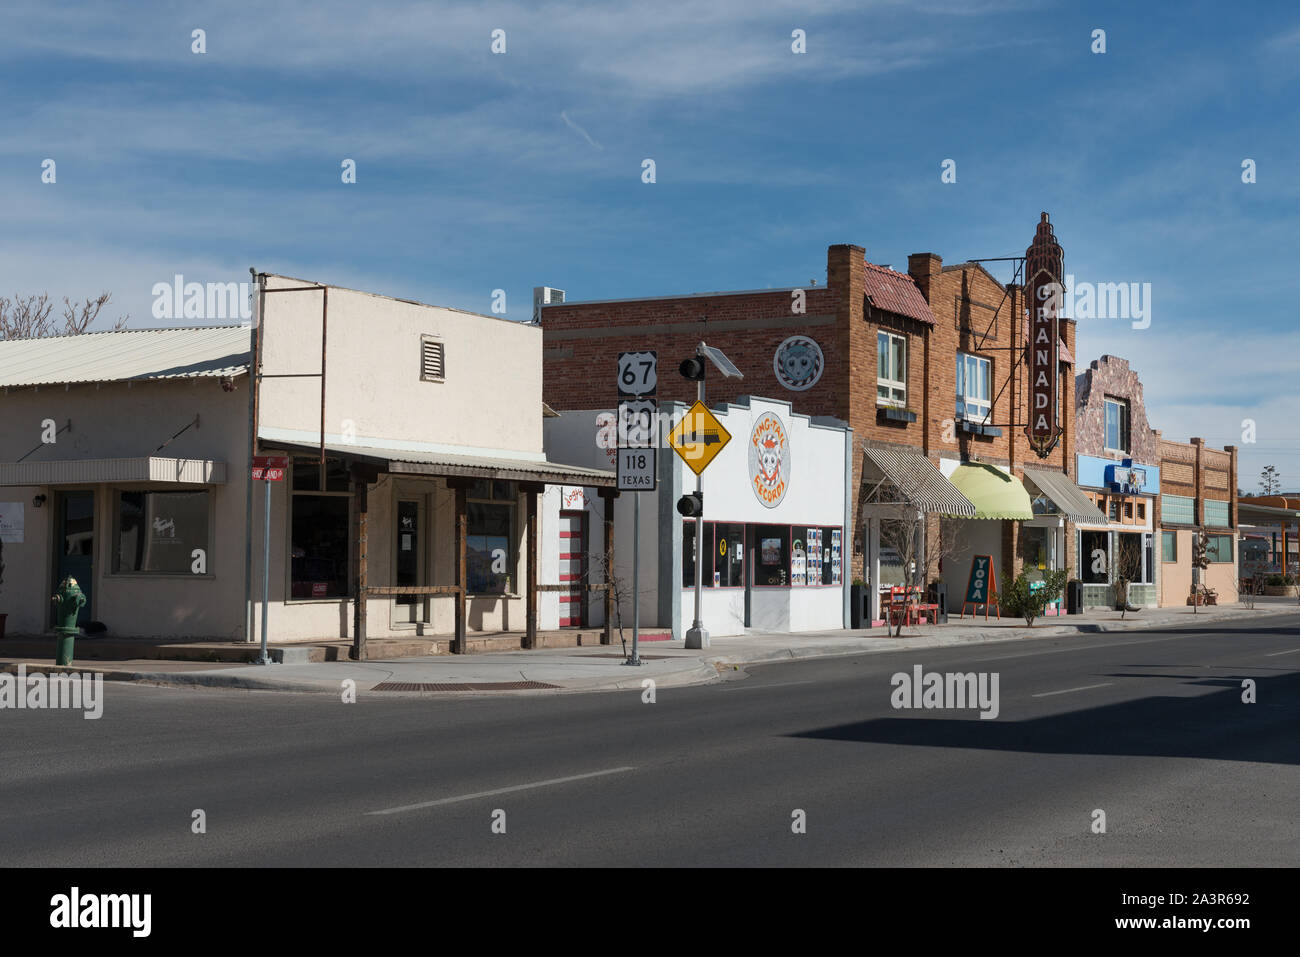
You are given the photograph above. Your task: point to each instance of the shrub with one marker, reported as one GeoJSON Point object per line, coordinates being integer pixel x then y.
{"type": "Point", "coordinates": [1022, 601]}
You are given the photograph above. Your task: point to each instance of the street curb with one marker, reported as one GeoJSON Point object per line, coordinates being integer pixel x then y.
{"type": "Point", "coordinates": [702, 671]}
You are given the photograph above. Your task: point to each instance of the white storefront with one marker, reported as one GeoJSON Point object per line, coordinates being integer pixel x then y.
{"type": "Point", "coordinates": [775, 512]}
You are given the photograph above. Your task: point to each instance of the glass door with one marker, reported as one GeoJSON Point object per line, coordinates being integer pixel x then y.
{"type": "Point", "coordinates": [75, 545]}
{"type": "Point", "coordinates": [409, 562]}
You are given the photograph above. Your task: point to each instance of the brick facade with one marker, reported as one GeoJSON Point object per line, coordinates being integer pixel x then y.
{"type": "Point", "coordinates": [959, 307]}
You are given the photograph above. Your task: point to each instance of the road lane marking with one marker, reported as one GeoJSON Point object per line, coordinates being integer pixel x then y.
{"type": "Point", "coordinates": [1048, 694]}
{"type": "Point", "coordinates": [1274, 654]}
{"type": "Point", "coordinates": [496, 791]}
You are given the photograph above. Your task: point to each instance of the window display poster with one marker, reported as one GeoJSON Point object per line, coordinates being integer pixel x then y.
{"type": "Point", "coordinates": [835, 556]}
{"type": "Point", "coordinates": [11, 522]}
{"type": "Point", "coordinates": [798, 565]}
{"type": "Point", "coordinates": [771, 548]}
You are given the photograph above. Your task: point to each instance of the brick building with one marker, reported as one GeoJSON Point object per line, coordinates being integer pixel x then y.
{"type": "Point", "coordinates": [924, 365]}
{"type": "Point", "coordinates": [1118, 467]}
{"type": "Point", "coordinates": [1198, 493]}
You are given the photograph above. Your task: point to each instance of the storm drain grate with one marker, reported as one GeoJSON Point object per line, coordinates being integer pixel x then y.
{"type": "Point", "coordinates": [478, 686]}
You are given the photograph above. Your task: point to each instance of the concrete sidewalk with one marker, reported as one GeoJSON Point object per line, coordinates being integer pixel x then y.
{"type": "Point", "coordinates": [549, 671]}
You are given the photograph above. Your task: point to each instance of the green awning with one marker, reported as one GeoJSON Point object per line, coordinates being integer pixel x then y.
{"type": "Point", "coordinates": [994, 493]}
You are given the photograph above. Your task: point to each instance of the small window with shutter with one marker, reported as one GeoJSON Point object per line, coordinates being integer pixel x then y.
{"type": "Point", "coordinates": [432, 359]}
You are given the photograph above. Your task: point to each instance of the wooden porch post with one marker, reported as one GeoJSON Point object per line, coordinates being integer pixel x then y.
{"type": "Point", "coordinates": [530, 598]}
{"type": "Point", "coordinates": [459, 645]}
{"type": "Point", "coordinates": [361, 494]}
{"type": "Point", "coordinates": [607, 496]}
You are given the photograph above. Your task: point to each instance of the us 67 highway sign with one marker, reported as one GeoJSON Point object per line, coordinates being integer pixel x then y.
{"type": "Point", "coordinates": [638, 373]}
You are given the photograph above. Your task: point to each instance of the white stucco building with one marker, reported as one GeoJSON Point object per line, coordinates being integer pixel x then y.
{"type": "Point", "coordinates": [414, 439]}
{"type": "Point", "coordinates": [775, 520]}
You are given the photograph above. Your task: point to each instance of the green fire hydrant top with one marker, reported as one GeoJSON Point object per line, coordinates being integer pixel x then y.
{"type": "Point", "coordinates": [68, 603]}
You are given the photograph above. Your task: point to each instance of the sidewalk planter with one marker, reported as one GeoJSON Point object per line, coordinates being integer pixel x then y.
{"type": "Point", "coordinates": [1273, 591]}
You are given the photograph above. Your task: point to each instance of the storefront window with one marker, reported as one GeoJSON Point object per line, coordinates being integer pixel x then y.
{"type": "Point", "coordinates": [319, 547]}
{"type": "Point", "coordinates": [490, 542]}
{"type": "Point", "coordinates": [688, 554]}
{"type": "Point", "coordinates": [1218, 548]}
{"type": "Point", "coordinates": [1169, 546]}
{"type": "Point", "coordinates": [771, 554]}
{"type": "Point", "coordinates": [1094, 557]}
{"type": "Point", "coordinates": [158, 532]}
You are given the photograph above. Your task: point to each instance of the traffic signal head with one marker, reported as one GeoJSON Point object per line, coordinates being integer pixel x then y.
{"type": "Point", "coordinates": [691, 505]}
{"type": "Point", "coordinates": [692, 368]}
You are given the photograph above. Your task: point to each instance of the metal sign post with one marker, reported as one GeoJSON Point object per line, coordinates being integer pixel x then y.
{"type": "Point", "coordinates": [697, 439]}
{"type": "Point", "coordinates": [267, 469]}
{"type": "Point", "coordinates": [638, 457]}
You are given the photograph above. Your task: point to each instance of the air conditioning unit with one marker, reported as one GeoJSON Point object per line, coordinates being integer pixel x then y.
{"type": "Point", "coordinates": [545, 296]}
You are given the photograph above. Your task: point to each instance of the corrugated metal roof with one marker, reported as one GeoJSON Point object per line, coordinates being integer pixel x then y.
{"type": "Point", "coordinates": [896, 292]}
{"type": "Point", "coordinates": [1069, 501]}
{"type": "Point", "coordinates": [131, 354]}
{"type": "Point", "coordinates": [919, 481]}
{"type": "Point", "coordinates": [474, 466]}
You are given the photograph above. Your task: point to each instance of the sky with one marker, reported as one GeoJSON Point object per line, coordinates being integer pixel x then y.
{"type": "Point", "coordinates": [478, 171]}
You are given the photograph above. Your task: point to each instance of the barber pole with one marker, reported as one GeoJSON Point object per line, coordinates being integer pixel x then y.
{"type": "Point", "coordinates": [1044, 267]}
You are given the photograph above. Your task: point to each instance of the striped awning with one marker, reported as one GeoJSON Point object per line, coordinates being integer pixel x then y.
{"type": "Point", "coordinates": [1066, 496]}
{"type": "Point", "coordinates": [919, 481]}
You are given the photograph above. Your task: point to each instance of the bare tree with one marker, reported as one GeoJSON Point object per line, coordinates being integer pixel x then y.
{"type": "Point", "coordinates": [32, 316]}
{"type": "Point", "coordinates": [1200, 562]}
{"type": "Point", "coordinates": [1249, 579]}
{"type": "Point", "coordinates": [1128, 568]}
{"type": "Point", "coordinates": [902, 537]}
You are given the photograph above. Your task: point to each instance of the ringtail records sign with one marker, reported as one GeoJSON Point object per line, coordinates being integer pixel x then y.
{"type": "Point", "coordinates": [1044, 266]}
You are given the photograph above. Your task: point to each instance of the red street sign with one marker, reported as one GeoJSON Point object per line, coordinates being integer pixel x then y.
{"type": "Point", "coordinates": [269, 468]}
{"type": "Point", "coordinates": [1044, 265]}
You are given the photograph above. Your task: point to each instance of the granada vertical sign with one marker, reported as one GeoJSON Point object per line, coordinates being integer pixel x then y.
{"type": "Point", "coordinates": [1044, 267]}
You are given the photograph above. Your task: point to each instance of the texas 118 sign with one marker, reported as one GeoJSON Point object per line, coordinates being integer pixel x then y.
{"type": "Point", "coordinates": [1044, 267]}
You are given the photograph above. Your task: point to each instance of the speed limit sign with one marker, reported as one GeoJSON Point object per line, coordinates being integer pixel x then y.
{"type": "Point", "coordinates": [638, 373]}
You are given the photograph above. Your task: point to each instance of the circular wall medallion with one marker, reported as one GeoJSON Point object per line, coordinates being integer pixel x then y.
{"type": "Point", "coordinates": [769, 460]}
{"type": "Point", "coordinates": [798, 363]}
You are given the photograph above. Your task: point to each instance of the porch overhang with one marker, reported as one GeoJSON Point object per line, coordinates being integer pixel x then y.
{"type": "Point", "coordinates": [98, 471]}
{"type": "Point", "coordinates": [452, 465]}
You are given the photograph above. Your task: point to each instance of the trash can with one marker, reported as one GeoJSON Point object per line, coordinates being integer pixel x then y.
{"type": "Point", "coordinates": [1074, 598]}
{"type": "Point", "coordinates": [939, 595]}
{"type": "Point", "coordinates": [859, 606]}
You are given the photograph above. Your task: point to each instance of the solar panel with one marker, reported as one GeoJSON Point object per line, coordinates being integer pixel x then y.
{"type": "Point", "coordinates": [725, 365]}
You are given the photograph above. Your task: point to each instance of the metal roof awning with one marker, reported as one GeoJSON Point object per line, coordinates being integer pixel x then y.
{"type": "Point", "coordinates": [995, 493]}
{"type": "Point", "coordinates": [1066, 496]}
{"type": "Point", "coordinates": [125, 356]}
{"type": "Point", "coordinates": [96, 471]}
{"type": "Point", "coordinates": [404, 462]}
{"type": "Point", "coordinates": [919, 481]}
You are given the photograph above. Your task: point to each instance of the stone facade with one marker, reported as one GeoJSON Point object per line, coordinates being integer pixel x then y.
{"type": "Point", "coordinates": [1111, 376]}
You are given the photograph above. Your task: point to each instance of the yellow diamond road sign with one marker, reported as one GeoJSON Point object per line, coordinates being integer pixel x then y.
{"type": "Point", "coordinates": [698, 437]}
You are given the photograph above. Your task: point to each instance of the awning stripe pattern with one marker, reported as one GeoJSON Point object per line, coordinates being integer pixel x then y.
{"type": "Point", "coordinates": [919, 481]}
{"type": "Point", "coordinates": [1071, 502]}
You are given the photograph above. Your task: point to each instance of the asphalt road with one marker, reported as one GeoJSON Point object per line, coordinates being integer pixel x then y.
{"type": "Point", "coordinates": [1149, 727]}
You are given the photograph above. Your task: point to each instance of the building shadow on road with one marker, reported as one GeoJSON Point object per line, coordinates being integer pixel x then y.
{"type": "Point", "coordinates": [1218, 725]}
